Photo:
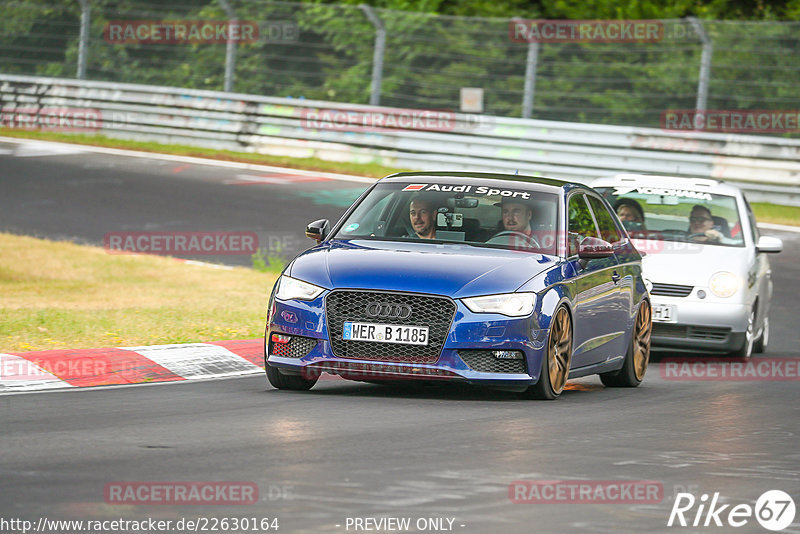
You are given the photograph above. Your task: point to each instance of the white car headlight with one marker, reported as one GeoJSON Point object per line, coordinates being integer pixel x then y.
{"type": "Point", "coordinates": [511, 304]}
{"type": "Point", "coordinates": [292, 288]}
{"type": "Point", "coordinates": [724, 284]}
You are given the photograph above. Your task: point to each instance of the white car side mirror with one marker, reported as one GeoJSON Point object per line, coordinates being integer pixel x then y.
{"type": "Point", "coordinates": [769, 244]}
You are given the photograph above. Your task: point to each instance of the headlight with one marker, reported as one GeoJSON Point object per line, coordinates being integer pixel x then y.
{"type": "Point", "coordinates": [292, 288]}
{"type": "Point", "coordinates": [724, 284]}
{"type": "Point", "coordinates": [511, 304]}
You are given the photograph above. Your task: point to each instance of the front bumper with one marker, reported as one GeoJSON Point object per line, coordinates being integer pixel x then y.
{"type": "Point", "coordinates": [702, 326]}
{"type": "Point", "coordinates": [466, 355]}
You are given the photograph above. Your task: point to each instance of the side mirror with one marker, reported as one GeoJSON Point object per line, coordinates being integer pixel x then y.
{"type": "Point", "coordinates": [769, 244]}
{"type": "Point", "coordinates": [318, 230]}
{"type": "Point", "coordinates": [592, 248]}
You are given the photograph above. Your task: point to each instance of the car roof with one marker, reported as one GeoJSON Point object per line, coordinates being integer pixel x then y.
{"type": "Point", "coordinates": [675, 182]}
{"type": "Point", "coordinates": [533, 183]}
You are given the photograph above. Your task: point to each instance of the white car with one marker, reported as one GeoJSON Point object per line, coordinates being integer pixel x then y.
{"type": "Point", "coordinates": [705, 264]}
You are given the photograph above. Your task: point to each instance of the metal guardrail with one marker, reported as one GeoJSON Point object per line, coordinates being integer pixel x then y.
{"type": "Point", "coordinates": [767, 167]}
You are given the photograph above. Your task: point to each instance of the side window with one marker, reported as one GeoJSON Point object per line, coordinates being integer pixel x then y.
{"type": "Point", "coordinates": [752, 219]}
{"type": "Point", "coordinates": [608, 230]}
{"type": "Point", "coordinates": [580, 224]}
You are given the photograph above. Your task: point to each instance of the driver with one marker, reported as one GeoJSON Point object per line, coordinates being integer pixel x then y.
{"type": "Point", "coordinates": [701, 226]}
{"type": "Point", "coordinates": [516, 217]}
{"type": "Point", "coordinates": [515, 224]}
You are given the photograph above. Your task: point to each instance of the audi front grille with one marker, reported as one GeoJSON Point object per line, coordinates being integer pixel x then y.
{"type": "Point", "coordinates": [401, 309]}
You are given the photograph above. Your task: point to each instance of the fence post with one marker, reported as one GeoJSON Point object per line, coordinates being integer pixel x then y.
{"type": "Point", "coordinates": [530, 74]}
{"type": "Point", "coordinates": [83, 45]}
{"type": "Point", "coordinates": [530, 80]}
{"type": "Point", "coordinates": [377, 56]}
{"type": "Point", "coordinates": [230, 47]}
{"type": "Point", "coordinates": [705, 69]}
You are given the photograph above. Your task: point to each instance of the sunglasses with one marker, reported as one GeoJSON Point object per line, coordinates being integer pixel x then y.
{"type": "Point", "coordinates": [700, 219]}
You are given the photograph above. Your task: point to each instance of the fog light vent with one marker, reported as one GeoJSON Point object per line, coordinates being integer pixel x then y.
{"type": "Point", "coordinates": [488, 361]}
{"type": "Point", "coordinates": [507, 354]}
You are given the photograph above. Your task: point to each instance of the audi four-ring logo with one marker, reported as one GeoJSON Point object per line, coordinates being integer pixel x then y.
{"type": "Point", "coordinates": [388, 311]}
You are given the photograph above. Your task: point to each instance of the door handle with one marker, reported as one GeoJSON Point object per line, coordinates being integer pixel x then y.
{"type": "Point", "coordinates": [615, 277]}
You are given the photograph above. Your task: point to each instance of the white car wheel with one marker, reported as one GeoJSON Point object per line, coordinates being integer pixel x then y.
{"type": "Point", "coordinates": [761, 343]}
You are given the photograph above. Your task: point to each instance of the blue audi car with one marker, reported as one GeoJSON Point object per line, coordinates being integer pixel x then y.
{"type": "Point", "coordinates": [504, 281]}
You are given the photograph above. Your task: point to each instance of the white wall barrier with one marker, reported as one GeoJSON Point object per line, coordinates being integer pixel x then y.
{"type": "Point", "coordinates": [767, 167]}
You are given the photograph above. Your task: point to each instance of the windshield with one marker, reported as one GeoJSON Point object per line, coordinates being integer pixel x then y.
{"type": "Point", "coordinates": [670, 214]}
{"type": "Point", "coordinates": [505, 216]}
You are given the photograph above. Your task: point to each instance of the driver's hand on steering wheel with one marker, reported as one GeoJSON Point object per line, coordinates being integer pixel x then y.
{"type": "Point", "coordinates": [709, 236]}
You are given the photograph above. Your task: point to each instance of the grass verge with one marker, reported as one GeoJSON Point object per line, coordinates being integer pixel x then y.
{"type": "Point", "coordinates": [59, 295]}
{"type": "Point", "coordinates": [371, 170]}
{"type": "Point", "coordinates": [776, 214]}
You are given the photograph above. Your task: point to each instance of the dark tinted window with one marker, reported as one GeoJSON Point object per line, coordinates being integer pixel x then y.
{"type": "Point", "coordinates": [608, 230]}
{"type": "Point", "coordinates": [581, 223]}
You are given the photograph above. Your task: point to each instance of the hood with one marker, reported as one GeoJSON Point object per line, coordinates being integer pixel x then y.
{"type": "Point", "coordinates": [690, 264]}
{"type": "Point", "coordinates": [452, 269]}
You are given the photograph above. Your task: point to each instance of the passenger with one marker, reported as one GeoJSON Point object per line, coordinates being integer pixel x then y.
{"type": "Point", "coordinates": [422, 214]}
{"type": "Point", "coordinates": [630, 213]}
{"type": "Point", "coordinates": [701, 226]}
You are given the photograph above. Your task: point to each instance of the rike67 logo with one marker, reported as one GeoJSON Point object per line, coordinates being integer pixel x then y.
{"type": "Point", "coordinates": [774, 510]}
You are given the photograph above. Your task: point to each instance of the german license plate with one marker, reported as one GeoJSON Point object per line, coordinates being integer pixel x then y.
{"type": "Point", "coordinates": [663, 313]}
{"type": "Point", "coordinates": [385, 333]}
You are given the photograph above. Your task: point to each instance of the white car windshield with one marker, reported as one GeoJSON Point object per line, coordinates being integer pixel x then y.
{"type": "Point", "coordinates": [672, 214]}
{"type": "Point", "coordinates": [502, 216]}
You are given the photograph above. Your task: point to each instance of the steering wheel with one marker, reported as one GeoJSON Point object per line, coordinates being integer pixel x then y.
{"type": "Point", "coordinates": [513, 233]}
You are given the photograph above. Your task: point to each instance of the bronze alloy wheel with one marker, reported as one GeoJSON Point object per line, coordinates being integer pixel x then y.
{"type": "Point", "coordinates": [637, 357]}
{"type": "Point", "coordinates": [641, 340]}
{"type": "Point", "coordinates": [559, 350]}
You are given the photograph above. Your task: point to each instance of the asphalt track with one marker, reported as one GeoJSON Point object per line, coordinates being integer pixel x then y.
{"type": "Point", "coordinates": [352, 450]}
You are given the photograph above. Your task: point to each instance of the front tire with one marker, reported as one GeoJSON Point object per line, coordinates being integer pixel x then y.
{"type": "Point", "coordinates": [638, 356]}
{"type": "Point", "coordinates": [278, 380]}
{"type": "Point", "coordinates": [290, 382]}
{"type": "Point", "coordinates": [555, 363]}
{"type": "Point", "coordinates": [761, 343]}
{"type": "Point", "coordinates": [748, 347]}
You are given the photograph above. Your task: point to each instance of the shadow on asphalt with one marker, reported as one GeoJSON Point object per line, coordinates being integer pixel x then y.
{"type": "Point", "coordinates": [451, 392]}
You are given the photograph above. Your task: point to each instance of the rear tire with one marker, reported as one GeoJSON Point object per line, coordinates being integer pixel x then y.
{"type": "Point", "coordinates": [638, 356]}
{"type": "Point", "coordinates": [557, 358]}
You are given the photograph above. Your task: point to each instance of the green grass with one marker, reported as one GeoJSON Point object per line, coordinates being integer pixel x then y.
{"type": "Point", "coordinates": [776, 214]}
{"type": "Point", "coordinates": [372, 170]}
{"type": "Point", "coordinates": [769, 213]}
{"type": "Point", "coordinates": [59, 295]}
